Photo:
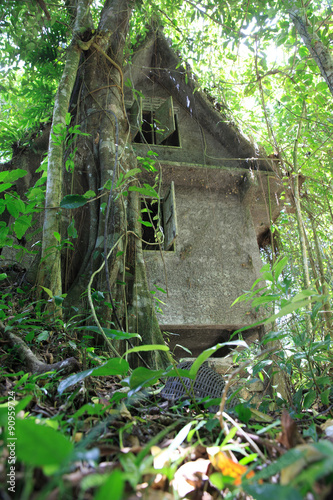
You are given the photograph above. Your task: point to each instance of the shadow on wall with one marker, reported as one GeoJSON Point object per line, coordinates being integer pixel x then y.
{"type": "Point", "coordinates": [197, 339]}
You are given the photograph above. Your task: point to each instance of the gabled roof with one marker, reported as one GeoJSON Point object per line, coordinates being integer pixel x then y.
{"type": "Point", "coordinates": [156, 59]}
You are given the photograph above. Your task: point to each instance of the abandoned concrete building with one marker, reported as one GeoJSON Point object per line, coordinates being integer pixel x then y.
{"type": "Point", "coordinates": [218, 197]}
{"type": "Point", "coordinates": [215, 200]}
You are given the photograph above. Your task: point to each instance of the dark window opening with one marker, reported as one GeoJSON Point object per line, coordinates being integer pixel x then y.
{"type": "Point", "coordinates": [152, 213]}
{"type": "Point", "coordinates": [149, 133]}
{"type": "Point", "coordinates": [159, 126]}
{"type": "Point", "coordinates": [146, 133]}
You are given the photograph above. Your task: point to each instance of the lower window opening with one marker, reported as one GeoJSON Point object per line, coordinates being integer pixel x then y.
{"type": "Point", "coordinates": [150, 213]}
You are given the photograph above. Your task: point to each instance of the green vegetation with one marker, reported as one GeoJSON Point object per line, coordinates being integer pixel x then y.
{"type": "Point", "coordinates": [80, 411]}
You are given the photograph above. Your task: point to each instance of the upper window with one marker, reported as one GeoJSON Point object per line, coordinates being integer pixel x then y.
{"type": "Point", "coordinates": [157, 125]}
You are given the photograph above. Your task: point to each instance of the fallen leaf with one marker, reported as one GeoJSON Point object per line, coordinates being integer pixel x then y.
{"type": "Point", "coordinates": [163, 457]}
{"type": "Point", "coordinates": [190, 476]}
{"type": "Point", "coordinates": [124, 411]}
{"type": "Point", "coordinates": [228, 467]}
{"type": "Point", "coordinates": [78, 436]}
{"type": "Point", "coordinates": [327, 427]}
{"type": "Point", "coordinates": [290, 437]}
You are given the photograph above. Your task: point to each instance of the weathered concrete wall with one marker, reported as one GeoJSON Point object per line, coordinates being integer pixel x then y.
{"type": "Point", "coordinates": [215, 260]}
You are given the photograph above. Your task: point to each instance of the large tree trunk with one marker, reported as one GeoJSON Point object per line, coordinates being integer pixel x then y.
{"type": "Point", "coordinates": [49, 274]}
{"type": "Point", "coordinates": [110, 220]}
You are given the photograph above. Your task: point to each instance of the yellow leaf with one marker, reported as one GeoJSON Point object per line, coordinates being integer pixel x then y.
{"type": "Point", "coordinates": [258, 416]}
{"type": "Point", "coordinates": [228, 467]}
{"type": "Point", "coordinates": [78, 437]}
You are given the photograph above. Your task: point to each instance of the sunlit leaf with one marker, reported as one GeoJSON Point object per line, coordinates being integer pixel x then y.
{"type": "Point", "coordinates": [114, 366]}
{"type": "Point", "coordinates": [49, 446]}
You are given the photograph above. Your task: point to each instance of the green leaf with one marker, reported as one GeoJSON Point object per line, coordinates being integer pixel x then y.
{"type": "Point", "coordinates": [114, 366]}
{"type": "Point", "coordinates": [90, 409]}
{"type": "Point", "coordinates": [321, 86]}
{"type": "Point", "coordinates": [145, 223]}
{"type": "Point", "coordinates": [324, 396]}
{"type": "Point", "coordinates": [89, 194]}
{"type": "Point", "coordinates": [218, 480]}
{"type": "Point", "coordinates": [264, 299]}
{"type": "Point", "coordinates": [43, 336]}
{"type": "Point", "coordinates": [71, 201]}
{"type": "Point", "coordinates": [12, 175]}
{"type": "Point", "coordinates": [58, 299]}
{"type": "Point", "coordinates": [145, 191]}
{"type": "Point", "coordinates": [48, 291]}
{"type": "Point", "coordinates": [13, 207]}
{"type": "Point", "coordinates": [57, 236]}
{"type": "Point", "coordinates": [21, 225]}
{"type": "Point", "coordinates": [309, 399]}
{"type": "Point", "coordinates": [261, 365]}
{"type": "Point", "coordinates": [244, 413]}
{"type": "Point", "coordinates": [132, 172]}
{"type": "Point", "coordinates": [113, 488]}
{"type": "Point", "coordinates": [5, 186]}
{"type": "Point", "coordinates": [304, 293]}
{"type": "Point", "coordinates": [113, 334]}
{"type": "Point", "coordinates": [208, 352]}
{"type": "Point", "coordinates": [143, 377]}
{"type": "Point", "coordinates": [59, 128]}
{"type": "Point", "coordinates": [279, 266]}
{"type": "Point", "coordinates": [265, 491]}
{"type": "Point", "coordinates": [71, 230]}
{"type": "Point", "coordinates": [40, 445]}
{"type": "Point", "coordinates": [68, 118]}
{"type": "Point", "coordinates": [287, 310]}
{"type": "Point", "coordinates": [146, 348]}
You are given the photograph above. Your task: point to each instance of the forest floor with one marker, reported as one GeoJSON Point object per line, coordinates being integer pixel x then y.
{"type": "Point", "coordinates": [98, 435]}
{"type": "Point", "coordinates": [142, 447]}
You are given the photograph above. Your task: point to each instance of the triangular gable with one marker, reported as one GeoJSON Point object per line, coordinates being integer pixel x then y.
{"type": "Point", "coordinates": [156, 60]}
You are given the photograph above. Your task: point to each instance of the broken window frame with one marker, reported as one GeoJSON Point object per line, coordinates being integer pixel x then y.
{"type": "Point", "coordinates": [156, 120]}
{"type": "Point", "coordinates": [166, 210]}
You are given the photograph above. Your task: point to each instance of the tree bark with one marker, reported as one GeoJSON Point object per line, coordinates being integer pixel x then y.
{"type": "Point", "coordinates": [320, 53]}
{"type": "Point", "coordinates": [49, 274]}
{"type": "Point", "coordinates": [99, 109]}
{"type": "Point", "coordinates": [324, 290]}
{"type": "Point", "coordinates": [299, 217]}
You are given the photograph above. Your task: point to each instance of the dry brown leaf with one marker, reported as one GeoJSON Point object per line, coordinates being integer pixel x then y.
{"type": "Point", "coordinates": [290, 437]}
{"type": "Point", "coordinates": [159, 482]}
{"type": "Point", "coordinates": [124, 411]}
